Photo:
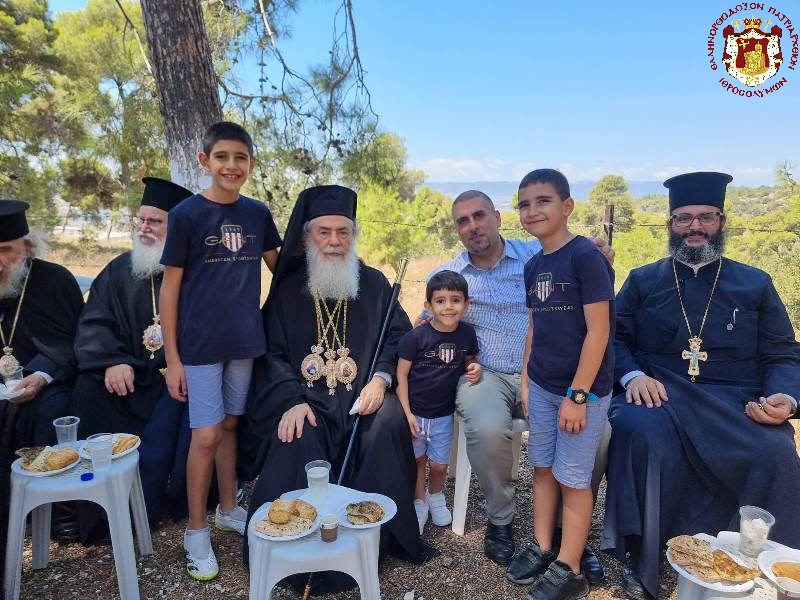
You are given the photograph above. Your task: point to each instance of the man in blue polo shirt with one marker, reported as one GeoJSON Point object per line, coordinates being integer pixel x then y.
{"type": "Point", "coordinates": [493, 267]}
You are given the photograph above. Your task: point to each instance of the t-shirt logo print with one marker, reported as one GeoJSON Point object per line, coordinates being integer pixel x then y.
{"type": "Point", "coordinates": [544, 286]}
{"type": "Point", "coordinates": [447, 352]}
{"type": "Point", "coordinates": [232, 237]}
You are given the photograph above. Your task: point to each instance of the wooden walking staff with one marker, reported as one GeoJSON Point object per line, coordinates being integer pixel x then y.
{"type": "Point", "coordinates": [387, 319]}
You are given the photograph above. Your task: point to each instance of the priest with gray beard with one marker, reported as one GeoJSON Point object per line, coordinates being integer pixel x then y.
{"type": "Point", "coordinates": [710, 368]}
{"type": "Point", "coordinates": [322, 320]}
{"type": "Point", "coordinates": [120, 387]}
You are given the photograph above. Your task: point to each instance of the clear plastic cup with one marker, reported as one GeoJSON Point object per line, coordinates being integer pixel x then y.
{"type": "Point", "coordinates": [754, 526]}
{"type": "Point", "coordinates": [67, 429]}
{"type": "Point", "coordinates": [99, 447]}
{"type": "Point", "coordinates": [12, 380]}
{"type": "Point", "coordinates": [318, 474]}
{"type": "Point", "coordinates": [329, 528]}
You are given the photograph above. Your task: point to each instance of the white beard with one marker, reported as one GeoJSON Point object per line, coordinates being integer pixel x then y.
{"type": "Point", "coordinates": [146, 260]}
{"type": "Point", "coordinates": [12, 286]}
{"type": "Point", "coordinates": [332, 278]}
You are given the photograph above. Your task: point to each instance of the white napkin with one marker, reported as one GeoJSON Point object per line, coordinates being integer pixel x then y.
{"type": "Point", "coordinates": [356, 406]}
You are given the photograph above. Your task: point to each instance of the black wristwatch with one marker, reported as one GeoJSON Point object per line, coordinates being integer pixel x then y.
{"type": "Point", "coordinates": [577, 396]}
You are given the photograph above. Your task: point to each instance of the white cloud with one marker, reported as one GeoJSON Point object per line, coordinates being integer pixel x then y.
{"type": "Point", "coordinates": [446, 169]}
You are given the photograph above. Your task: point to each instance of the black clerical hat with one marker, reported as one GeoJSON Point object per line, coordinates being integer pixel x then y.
{"type": "Point", "coordinates": [326, 200]}
{"type": "Point", "coordinates": [705, 187]}
{"type": "Point", "coordinates": [13, 224]}
{"type": "Point", "coordinates": [163, 194]}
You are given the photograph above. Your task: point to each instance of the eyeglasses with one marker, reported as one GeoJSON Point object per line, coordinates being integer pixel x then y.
{"type": "Point", "coordinates": [140, 222]}
{"type": "Point", "coordinates": [685, 220]}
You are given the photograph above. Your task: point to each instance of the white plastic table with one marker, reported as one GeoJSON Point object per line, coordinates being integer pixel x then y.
{"type": "Point", "coordinates": [354, 552]}
{"type": "Point", "coordinates": [113, 489]}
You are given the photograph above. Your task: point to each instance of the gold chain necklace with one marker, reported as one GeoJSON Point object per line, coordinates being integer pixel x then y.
{"type": "Point", "coordinates": [8, 362]}
{"type": "Point", "coordinates": [335, 370]}
{"type": "Point", "coordinates": [153, 338]}
{"type": "Point", "coordinates": [694, 354]}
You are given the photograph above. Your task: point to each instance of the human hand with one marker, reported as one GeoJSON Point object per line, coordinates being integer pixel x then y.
{"type": "Point", "coordinates": [473, 373]}
{"type": "Point", "coordinates": [571, 416]}
{"type": "Point", "coordinates": [28, 386]}
{"type": "Point", "coordinates": [772, 410]}
{"type": "Point", "coordinates": [413, 425]}
{"type": "Point", "coordinates": [176, 381]}
{"type": "Point", "coordinates": [645, 389]}
{"type": "Point", "coordinates": [119, 380]}
{"type": "Point", "coordinates": [372, 396]}
{"type": "Point", "coordinates": [291, 424]}
{"type": "Point", "coordinates": [420, 320]}
{"type": "Point", "coordinates": [524, 392]}
{"type": "Point", "coordinates": [607, 250]}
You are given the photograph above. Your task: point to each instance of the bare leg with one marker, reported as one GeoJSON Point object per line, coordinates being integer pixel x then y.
{"type": "Point", "coordinates": [546, 495]}
{"type": "Point", "coordinates": [226, 464]}
{"type": "Point", "coordinates": [438, 477]}
{"type": "Point", "coordinates": [202, 449]}
{"type": "Point", "coordinates": [578, 506]}
{"type": "Point", "coordinates": [419, 490]}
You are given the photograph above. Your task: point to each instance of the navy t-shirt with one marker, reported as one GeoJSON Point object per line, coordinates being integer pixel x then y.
{"type": "Point", "coordinates": [219, 247]}
{"type": "Point", "coordinates": [438, 360]}
{"type": "Point", "coordinates": [557, 286]}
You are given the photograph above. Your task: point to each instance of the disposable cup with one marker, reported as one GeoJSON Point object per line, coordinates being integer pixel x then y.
{"type": "Point", "coordinates": [318, 474]}
{"type": "Point", "coordinates": [100, 446]}
{"type": "Point", "coordinates": [754, 526]}
{"type": "Point", "coordinates": [13, 379]}
{"type": "Point", "coordinates": [66, 429]}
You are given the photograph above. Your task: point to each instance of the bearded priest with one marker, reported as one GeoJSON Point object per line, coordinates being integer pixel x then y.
{"type": "Point", "coordinates": [120, 387]}
{"type": "Point", "coordinates": [711, 370]}
{"type": "Point", "coordinates": [322, 319]}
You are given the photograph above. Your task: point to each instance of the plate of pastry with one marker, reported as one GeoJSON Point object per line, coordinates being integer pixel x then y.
{"type": "Point", "coordinates": [700, 559]}
{"type": "Point", "coordinates": [44, 461]}
{"type": "Point", "coordinates": [287, 520]}
{"type": "Point", "coordinates": [122, 445]}
{"type": "Point", "coordinates": [370, 510]}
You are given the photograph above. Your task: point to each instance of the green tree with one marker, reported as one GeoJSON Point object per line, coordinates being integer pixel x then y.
{"type": "Point", "coordinates": [382, 161]}
{"type": "Point", "coordinates": [610, 189]}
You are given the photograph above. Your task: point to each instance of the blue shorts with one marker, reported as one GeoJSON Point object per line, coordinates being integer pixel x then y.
{"type": "Point", "coordinates": [571, 455]}
{"type": "Point", "coordinates": [434, 439]}
{"type": "Point", "coordinates": [217, 390]}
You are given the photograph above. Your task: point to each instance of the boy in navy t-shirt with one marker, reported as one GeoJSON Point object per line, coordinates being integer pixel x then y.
{"type": "Point", "coordinates": [212, 326]}
{"type": "Point", "coordinates": [432, 358]}
{"type": "Point", "coordinates": [570, 297]}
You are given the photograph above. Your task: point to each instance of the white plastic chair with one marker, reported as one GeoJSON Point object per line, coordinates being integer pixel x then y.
{"type": "Point", "coordinates": [459, 464]}
{"type": "Point", "coordinates": [354, 552]}
{"type": "Point", "coordinates": [114, 490]}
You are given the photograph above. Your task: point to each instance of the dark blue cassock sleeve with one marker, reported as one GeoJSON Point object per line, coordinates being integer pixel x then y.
{"type": "Point", "coordinates": [628, 300]}
{"type": "Point", "coordinates": [778, 351]}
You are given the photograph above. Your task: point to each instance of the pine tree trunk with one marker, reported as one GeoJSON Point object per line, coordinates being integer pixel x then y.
{"type": "Point", "coordinates": [187, 87]}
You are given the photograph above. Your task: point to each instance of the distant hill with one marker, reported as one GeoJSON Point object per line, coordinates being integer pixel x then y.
{"type": "Point", "coordinates": [502, 191]}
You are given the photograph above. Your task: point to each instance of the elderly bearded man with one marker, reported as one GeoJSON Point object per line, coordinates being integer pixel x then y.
{"type": "Point", "coordinates": [711, 368]}
{"type": "Point", "coordinates": [120, 357]}
{"type": "Point", "coordinates": [39, 307]}
{"type": "Point", "coordinates": [323, 296]}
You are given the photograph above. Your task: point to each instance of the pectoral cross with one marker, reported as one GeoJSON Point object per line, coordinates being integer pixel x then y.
{"type": "Point", "coordinates": [694, 355]}
{"type": "Point", "coordinates": [330, 371]}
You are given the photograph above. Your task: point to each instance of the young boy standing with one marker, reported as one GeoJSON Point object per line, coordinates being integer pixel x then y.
{"type": "Point", "coordinates": [570, 297]}
{"type": "Point", "coordinates": [212, 326]}
{"type": "Point", "coordinates": [432, 358]}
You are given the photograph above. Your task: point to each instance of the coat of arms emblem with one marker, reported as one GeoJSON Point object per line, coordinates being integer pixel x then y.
{"type": "Point", "coordinates": [232, 237]}
{"type": "Point", "coordinates": [752, 56]}
{"type": "Point", "coordinates": [447, 352]}
{"type": "Point", "coordinates": [544, 286]}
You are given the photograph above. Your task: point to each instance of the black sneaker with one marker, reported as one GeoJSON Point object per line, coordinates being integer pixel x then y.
{"type": "Point", "coordinates": [529, 564]}
{"type": "Point", "coordinates": [559, 583]}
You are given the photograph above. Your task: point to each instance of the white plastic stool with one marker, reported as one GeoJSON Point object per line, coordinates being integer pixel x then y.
{"type": "Point", "coordinates": [113, 489]}
{"type": "Point", "coordinates": [459, 463]}
{"type": "Point", "coordinates": [354, 552]}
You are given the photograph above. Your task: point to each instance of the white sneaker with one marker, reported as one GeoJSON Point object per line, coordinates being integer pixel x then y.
{"type": "Point", "coordinates": [201, 563]}
{"type": "Point", "coordinates": [440, 515]}
{"type": "Point", "coordinates": [236, 520]}
{"type": "Point", "coordinates": [421, 506]}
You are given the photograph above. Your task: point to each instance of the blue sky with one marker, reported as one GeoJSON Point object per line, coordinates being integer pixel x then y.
{"type": "Point", "coordinates": [481, 93]}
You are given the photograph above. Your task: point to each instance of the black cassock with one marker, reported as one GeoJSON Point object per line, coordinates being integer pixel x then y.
{"type": "Point", "coordinates": [383, 459]}
{"type": "Point", "coordinates": [43, 341]}
{"type": "Point", "coordinates": [110, 333]}
{"type": "Point", "coordinates": [688, 466]}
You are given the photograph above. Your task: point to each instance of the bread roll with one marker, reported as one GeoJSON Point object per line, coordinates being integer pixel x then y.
{"type": "Point", "coordinates": [58, 459]}
{"type": "Point", "coordinates": [304, 510]}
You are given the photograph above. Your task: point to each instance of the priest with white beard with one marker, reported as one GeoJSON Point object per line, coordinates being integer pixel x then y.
{"type": "Point", "coordinates": [120, 387]}
{"type": "Point", "coordinates": [322, 320]}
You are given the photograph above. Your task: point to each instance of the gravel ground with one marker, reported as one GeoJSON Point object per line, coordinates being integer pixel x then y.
{"type": "Point", "coordinates": [459, 571]}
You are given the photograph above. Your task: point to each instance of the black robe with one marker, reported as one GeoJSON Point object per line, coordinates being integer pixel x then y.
{"type": "Point", "coordinates": [43, 342]}
{"type": "Point", "coordinates": [686, 467]}
{"type": "Point", "coordinates": [382, 459]}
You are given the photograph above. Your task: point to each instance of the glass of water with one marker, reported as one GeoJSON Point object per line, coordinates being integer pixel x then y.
{"type": "Point", "coordinates": [100, 446]}
{"type": "Point", "coordinates": [318, 473]}
{"type": "Point", "coordinates": [67, 430]}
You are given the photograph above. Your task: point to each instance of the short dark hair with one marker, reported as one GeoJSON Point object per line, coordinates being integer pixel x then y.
{"type": "Point", "coordinates": [226, 130]}
{"type": "Point", "coordinates": [552, 176]}
{"type": "Point", "coordinates": [470, 194]}
{"type": "Point", "coordinates": [446, 280]}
